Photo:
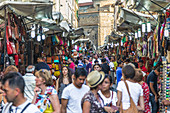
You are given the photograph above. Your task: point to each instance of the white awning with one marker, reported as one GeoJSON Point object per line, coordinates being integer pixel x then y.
{"type": "Point", "coordinates": [29, 9]}
{"type": "Point", "coordinates": [151, 6]}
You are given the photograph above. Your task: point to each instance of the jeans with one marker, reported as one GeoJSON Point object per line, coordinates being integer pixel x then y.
{"type": "Point", "coordinates": [155, 105]}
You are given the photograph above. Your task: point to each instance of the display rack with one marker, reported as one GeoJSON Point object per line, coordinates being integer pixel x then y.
{"type": "Point", "coordinates": [165, 84]}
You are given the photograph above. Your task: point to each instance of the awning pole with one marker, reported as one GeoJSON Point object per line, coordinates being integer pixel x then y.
{"type": "Point", "coordinates": [5, 50]}
{"type": "Point", "coordinates": [149, 12]}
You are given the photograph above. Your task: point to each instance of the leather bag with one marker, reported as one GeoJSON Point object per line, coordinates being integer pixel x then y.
{"type": "Point", "coordinates": [13, 48]}
{"type": "Point", "coordinates": [132, 108]}
{"type": "Point", "coordinates": [9, 28]}
{"type": "Point", "coordinates": [16, 33]}
{"type": "Point", "coordinates": [16, 60]}
{"type": "Point", "coordinates": [22, 58]}
{"type": "Point", "coordinates": [17, 47]}
{"type": "Point", "coordinates": [8, 44]}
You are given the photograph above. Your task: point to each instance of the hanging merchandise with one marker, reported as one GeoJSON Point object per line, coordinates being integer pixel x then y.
{"type": "Point", "coordinates": [8, 44]}
{"type": "Point", "coordinates": [9, 28]}
{"type": "Point", "coordinates": [166, 32]}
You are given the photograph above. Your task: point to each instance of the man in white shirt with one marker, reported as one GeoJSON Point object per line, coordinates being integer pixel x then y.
{"type": "Point", "coordinates": [96, 58]}
{"type": "Point", "coordinates": [29, 79]}
{"type": "Point", "coordinates": [72, 94]}
{"type": "Point", "coordinates": [111, 64]}
{"type": "Point", "coordinates": [13, 86]}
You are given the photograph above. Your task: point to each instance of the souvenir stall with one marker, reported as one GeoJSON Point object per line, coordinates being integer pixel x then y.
{"type": "Point", "coordinates": [56, 52]}
{"type": "Point", "coordinates": [16, 47]}
{"type": "Point", "coordinates": [162, 32]}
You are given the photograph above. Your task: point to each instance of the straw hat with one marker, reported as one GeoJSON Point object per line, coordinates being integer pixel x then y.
{"type": "Point", "coordinates": [95, 78]}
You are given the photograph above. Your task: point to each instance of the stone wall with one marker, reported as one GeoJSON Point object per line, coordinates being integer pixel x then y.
{"type": "Point", "coordinates": [105, 26]}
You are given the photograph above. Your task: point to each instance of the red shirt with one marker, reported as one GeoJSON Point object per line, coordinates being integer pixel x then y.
{"type": "Point", "coordinates": [143, 68]}
{"type": "Point", "coordinates": [146, 97]}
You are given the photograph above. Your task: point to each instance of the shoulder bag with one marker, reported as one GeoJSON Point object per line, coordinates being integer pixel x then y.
{"type": "Point", "coordinates": [132, 108]}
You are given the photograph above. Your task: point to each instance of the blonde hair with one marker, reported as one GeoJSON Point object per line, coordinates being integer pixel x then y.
{"type": "Point", "coordinates": [11, 68]}
{"type": "Point", "coordinates": [46, 75]}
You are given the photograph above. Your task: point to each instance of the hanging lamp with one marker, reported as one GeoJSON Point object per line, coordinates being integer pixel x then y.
{"type": "Point", "coordinates": [139, 33]}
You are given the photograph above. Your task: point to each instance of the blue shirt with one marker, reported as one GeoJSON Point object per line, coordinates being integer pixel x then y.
{"type": "Point", "coordinates": [119, 74]}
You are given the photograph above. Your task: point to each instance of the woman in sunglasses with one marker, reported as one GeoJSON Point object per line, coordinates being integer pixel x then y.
{"type": "Point", "coordinates": [45, 97]}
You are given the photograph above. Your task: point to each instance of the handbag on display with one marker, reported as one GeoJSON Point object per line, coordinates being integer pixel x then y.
{"type": "Point", "coordinates": [8, 44]}
{"type": "Point", "coordinates": [22, 58]}
{"type": "Point", "coordinates": [17, 47]}
{"type": "Point", "coordinates": [13, 48]}
{"type": "Point", "coordinates": [18, 23]}
{"type": "Point", "coordinates": [22, 48]}
{"type": "Point", "coordinates": [9, 28]}
{"type": "Point", "coordinates": [16, 33]}
{"type": "Point", "coordinates": [16, 60]}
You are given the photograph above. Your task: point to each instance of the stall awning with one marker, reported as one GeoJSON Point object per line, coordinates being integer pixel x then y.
{"type": "Point", "coordinates": [28, 9]}
{"type": "Point", "coordinates": [35, 13]}
{"type": "Point", "coordinates": [77, 33]}
{"type": "Point", "coordinates": [151, 6]}
{"type": "Point", "coordinates": [128, 19]}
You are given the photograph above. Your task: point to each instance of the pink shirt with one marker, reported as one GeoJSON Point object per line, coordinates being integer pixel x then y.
{"type": "Point", "coordinates": [72, 66]}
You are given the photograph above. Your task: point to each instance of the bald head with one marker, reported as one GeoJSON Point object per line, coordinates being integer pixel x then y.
{"type": "Point", "coordinates": [30, 69]}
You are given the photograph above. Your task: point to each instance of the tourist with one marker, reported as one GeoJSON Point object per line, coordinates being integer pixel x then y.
{"type": "Point", "coordinates": [72, 94]}
{"type": "Point", "coordinates": [41, 64]}
{"type": "Point", "coordinates": [45, 97]}
{"type": "Point", "coordinates": [119, 72]}
{"type": "Point", "coordinates": [96, 58]}
{"type": "Point", "coordinates": [128, 73]}
{"type": "Point", "coordinates": [91, 102]}
{"type": "Point", "coordinates": [63, 81]}
{"type": "Point", "coordinates": [142, 66]}
{"type": "Point", "coordinates": [10, 68]}
{"type": "Point", "coordinates": [13, 86]}
{"type": "Point", "coordinates": [29, 79]}
{"type": "Point", "coordinates": [72, 65]}
{"type": "Point", "coordinates": [109, 97]}
{"type": "Point", "coordinates": [97, 67]}
{"type": "Point", "coordinates": [105, 66]}
{"type": "Point", "coordinates": [111, 64]}
{"type": "Point", "coordinates": [139, 78]}
{"type": "Point", "coordinates": [152, 83]}
{"type": "Point", "coordinates": [88, 66]}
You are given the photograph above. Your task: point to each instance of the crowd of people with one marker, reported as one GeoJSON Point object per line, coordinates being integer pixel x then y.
{"type": "Point", "coordinates": [87, 84]}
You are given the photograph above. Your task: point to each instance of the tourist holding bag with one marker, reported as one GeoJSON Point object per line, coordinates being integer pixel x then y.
{"type": "Point", "coordinates": [129, 93]}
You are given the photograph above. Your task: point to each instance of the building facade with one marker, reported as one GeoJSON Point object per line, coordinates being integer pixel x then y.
{"type": "Point", "coordinates": [97, 20]}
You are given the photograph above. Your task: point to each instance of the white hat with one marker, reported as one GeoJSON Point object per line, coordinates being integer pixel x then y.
{"type": "Point", "coordinates": [95, 78]}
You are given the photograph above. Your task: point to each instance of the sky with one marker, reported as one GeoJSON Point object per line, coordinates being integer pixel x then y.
{"type": "Point", "coordinates": [82, 1]}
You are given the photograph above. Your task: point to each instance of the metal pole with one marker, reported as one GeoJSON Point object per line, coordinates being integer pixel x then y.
{"type": "Point", "coordinates": [5, 49]}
